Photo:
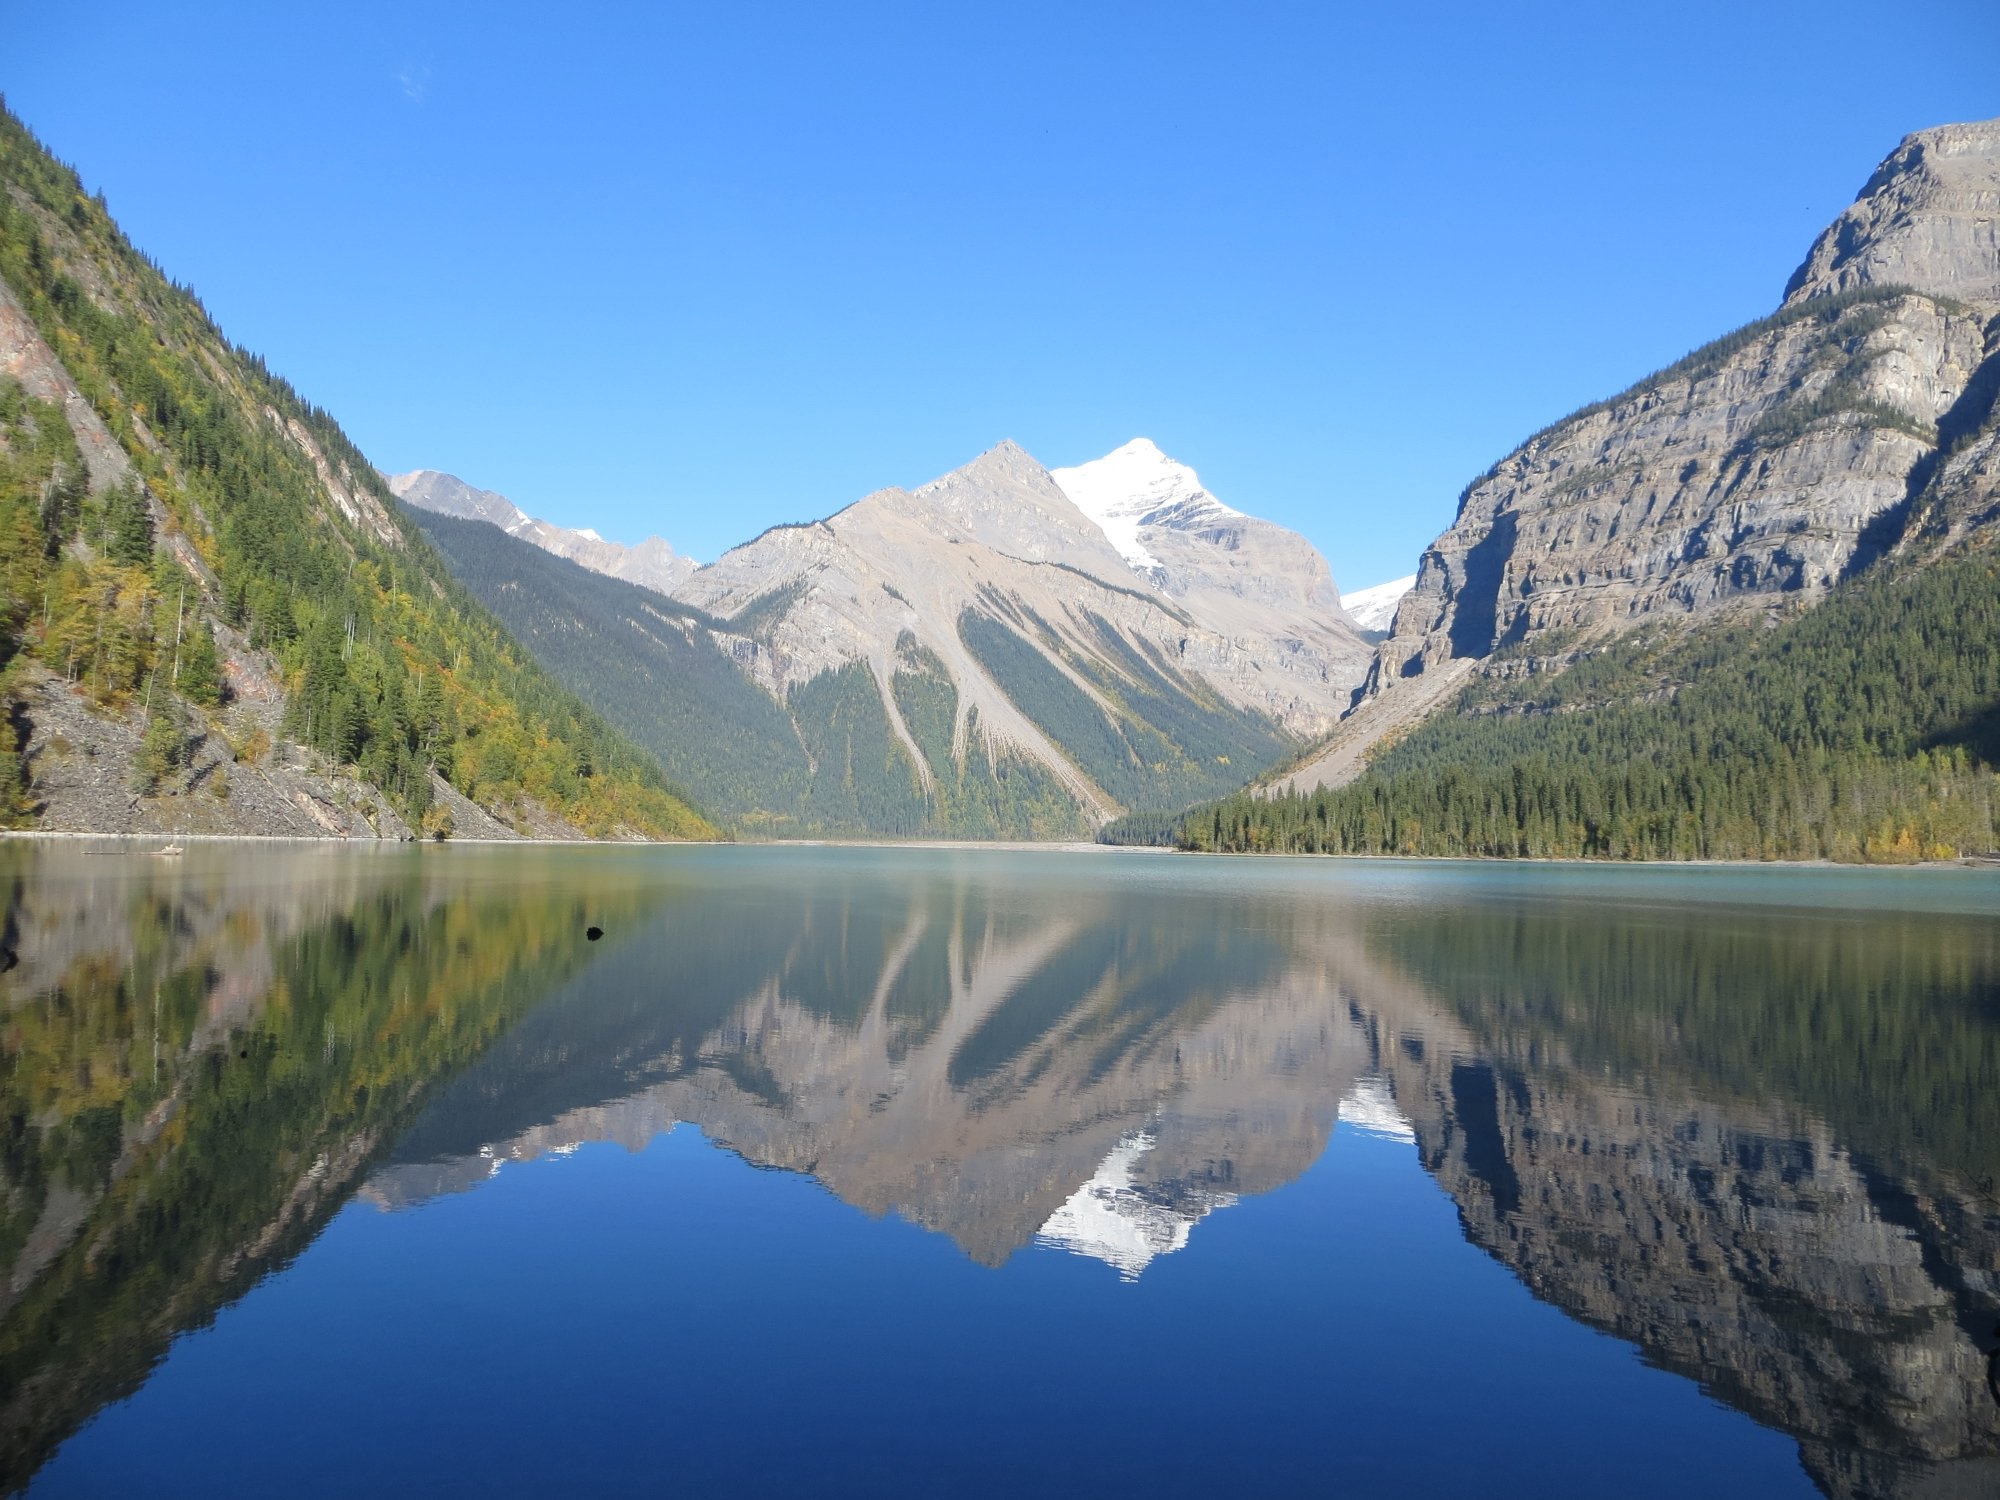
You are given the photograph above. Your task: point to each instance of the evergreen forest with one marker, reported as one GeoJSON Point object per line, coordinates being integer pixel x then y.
{"type": "Point", "coordinates": [1866, 729]}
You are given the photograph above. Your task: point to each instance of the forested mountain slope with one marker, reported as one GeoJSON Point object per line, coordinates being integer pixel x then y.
{"type": "Point", "coordinates": [1867, 728]}
{"type": "Point", "coordinates": [212, 614]}
{"type": "Point", "coordinates": [651, 665]}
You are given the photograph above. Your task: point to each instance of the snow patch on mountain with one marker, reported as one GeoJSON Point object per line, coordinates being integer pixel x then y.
{"type": "Point", "coordinates": [1132, 487]}
{"type": "Point", "coordinates": [1375, 608]}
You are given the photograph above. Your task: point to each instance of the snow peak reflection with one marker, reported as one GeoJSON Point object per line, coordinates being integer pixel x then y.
{"type": "Point", "coordinates": [1630, 1092]}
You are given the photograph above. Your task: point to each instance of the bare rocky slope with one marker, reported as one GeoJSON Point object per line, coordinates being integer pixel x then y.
{"type": "Point", "coordinates": [1757, 473]}
{"type": "Point", "coordinates": [983, 655]}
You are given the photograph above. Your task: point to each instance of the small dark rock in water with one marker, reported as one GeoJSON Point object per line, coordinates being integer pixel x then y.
{"type": "Point", "coordinates": [593, 933]}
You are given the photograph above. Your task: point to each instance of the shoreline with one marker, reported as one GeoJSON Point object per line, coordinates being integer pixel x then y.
{"type": "Point", "coordinates": [149, 842]}
{"type": "Point", "coordinates": [328, 841]}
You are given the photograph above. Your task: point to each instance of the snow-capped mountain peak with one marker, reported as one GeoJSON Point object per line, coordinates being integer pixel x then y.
{"type": "Point", "coordinates": [1375, 608]}
{"type": "Point", "coordinates": [1131, 487]}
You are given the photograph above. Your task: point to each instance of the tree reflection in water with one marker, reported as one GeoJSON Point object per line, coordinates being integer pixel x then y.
{"type": "Point", "coordinates": [1751, 1144]}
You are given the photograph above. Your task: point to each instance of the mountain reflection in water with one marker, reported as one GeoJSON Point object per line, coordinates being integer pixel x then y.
{"type": "Point", "coordinates": [1757, 1141]}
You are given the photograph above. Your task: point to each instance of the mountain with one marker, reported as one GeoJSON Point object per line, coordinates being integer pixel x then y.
{"type": "Point", "coordinates": [1248, 579]}
{"type": "Point", "coordinates": [1177, 535]}
{"type": "Point", "coordinates": [1777, 460]}
{"type": "Point", "coordinates": [214, 615]}
{"type": "Point", "coordinates": [975, 657]}
{"type": "Point", "coordinates": [659, 670]}
{"type": "Point", "coordinates": [652, 563]}
{"type": "Point", "coordinates": [1373, 610]}
{"type": "Point", "coordinates": [1628, 612]}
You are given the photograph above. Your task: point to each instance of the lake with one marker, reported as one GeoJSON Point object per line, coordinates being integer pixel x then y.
{"type": "Point", "coordinates": [819, 1171]}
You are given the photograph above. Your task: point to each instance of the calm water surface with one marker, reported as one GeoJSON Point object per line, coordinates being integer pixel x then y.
{"type": "Point", "coordinates": [331, 1172]}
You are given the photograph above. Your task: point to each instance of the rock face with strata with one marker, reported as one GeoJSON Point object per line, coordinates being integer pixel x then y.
{"type": "Point", "coordinates": [1929, 217]}
{"type": "Point", "coordinates": [1771, 463]}
{"type": "Point", "coordinates": [1757, 472]}
{"type": "Point", "coordinates": [1760, 470]}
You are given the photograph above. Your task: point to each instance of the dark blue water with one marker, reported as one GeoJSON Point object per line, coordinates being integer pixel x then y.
{"type": "Point", "coordinates": [918, 1172]}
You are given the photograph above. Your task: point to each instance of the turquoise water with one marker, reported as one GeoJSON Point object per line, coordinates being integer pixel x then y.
{"type": "Point", "coordinates": [916, 1172]}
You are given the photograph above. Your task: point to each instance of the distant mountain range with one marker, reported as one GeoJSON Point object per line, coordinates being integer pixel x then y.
{"type": "Point", "coordinates": [1004, 652]}
{"type": "Point", "coordinates": [1014, 651]}
{"type": "Point", "coordinates": [652, 562]}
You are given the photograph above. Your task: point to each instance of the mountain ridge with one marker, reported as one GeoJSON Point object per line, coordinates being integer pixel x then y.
{"type": "Point", "coordinates": [652, 563]}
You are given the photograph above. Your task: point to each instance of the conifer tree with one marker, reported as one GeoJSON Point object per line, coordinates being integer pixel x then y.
{"type": "Point", "coordinates": [201, 671]}
{"type": "Point", "coordinates": [129, 526]}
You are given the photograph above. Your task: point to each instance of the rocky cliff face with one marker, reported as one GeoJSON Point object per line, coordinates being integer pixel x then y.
{"type": "Point", "coordinates": [1929, 218]}
{"type": "Point", "coordinates": [1754, 469]}
{"type": "Point", "coordinates": [1759, 470]}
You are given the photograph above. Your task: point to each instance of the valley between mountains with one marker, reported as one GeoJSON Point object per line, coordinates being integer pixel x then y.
{"type": "Point", "coordinates": [1746, 608]}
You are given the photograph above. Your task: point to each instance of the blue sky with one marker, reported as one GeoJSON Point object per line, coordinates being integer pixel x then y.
{"type": "Point", "coordinates": [692, 270]}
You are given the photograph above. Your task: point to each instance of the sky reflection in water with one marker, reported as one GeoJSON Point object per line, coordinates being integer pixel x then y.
{"type": "Point", "coordinates": [339, 1171]}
